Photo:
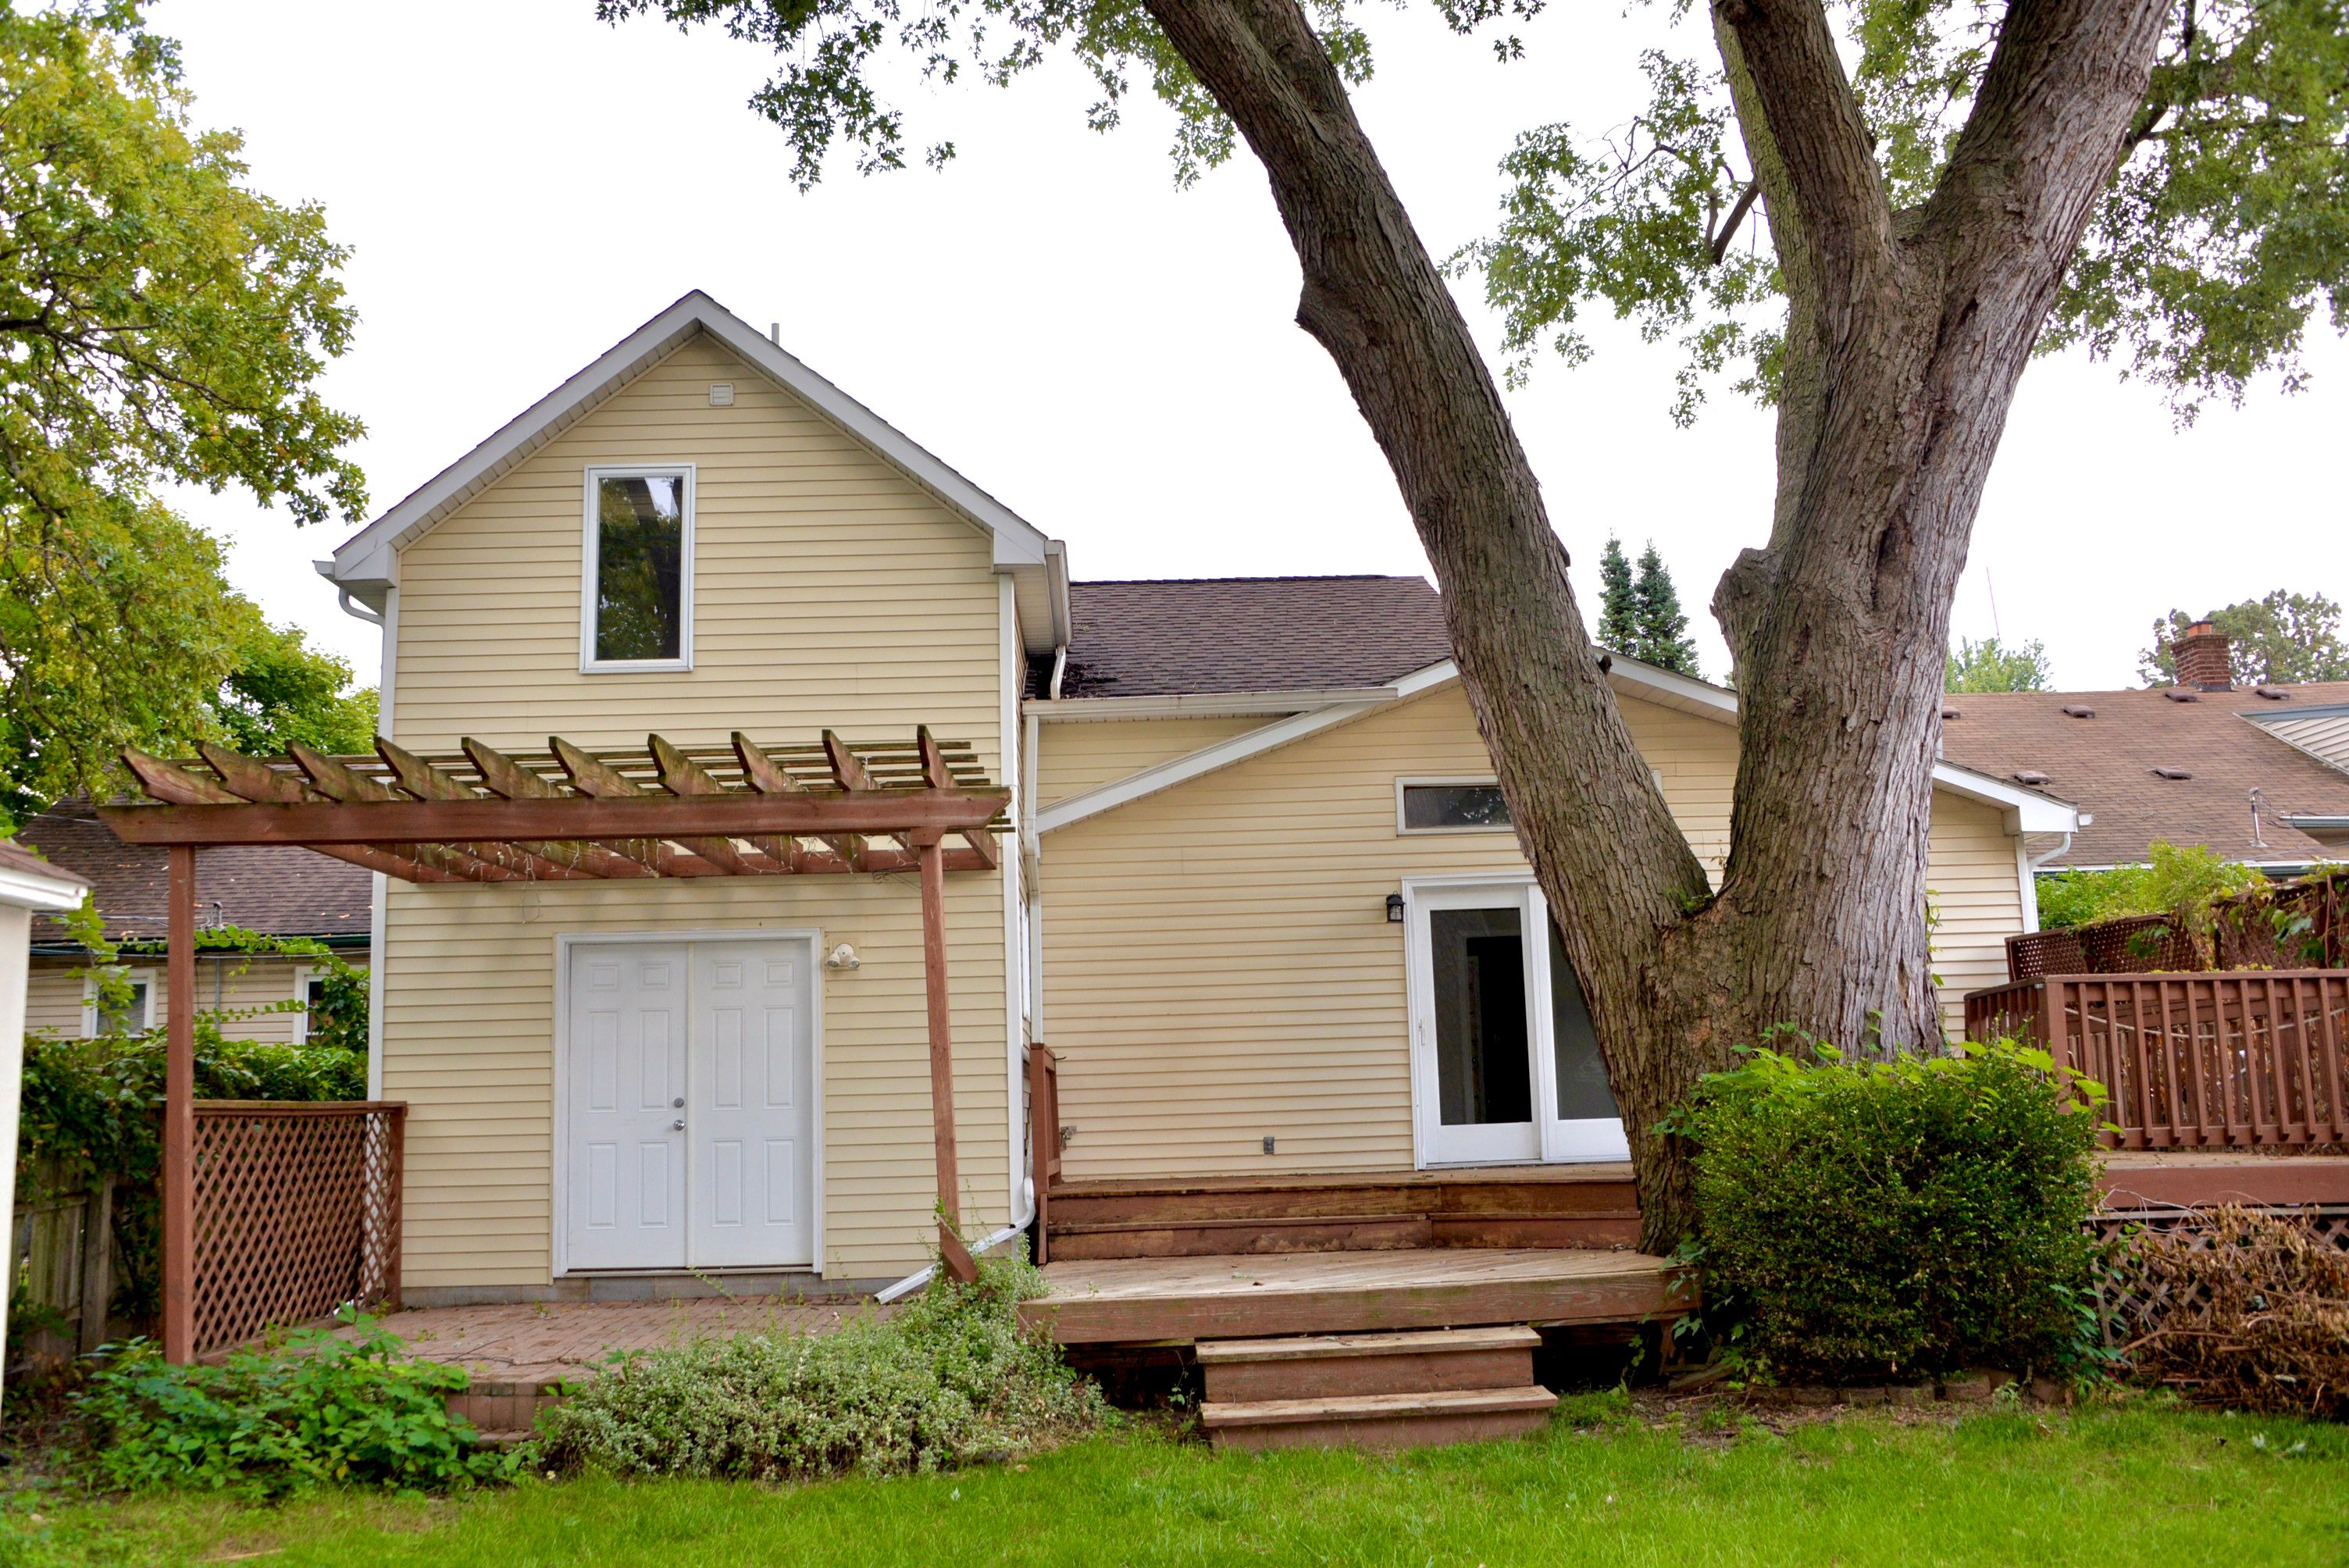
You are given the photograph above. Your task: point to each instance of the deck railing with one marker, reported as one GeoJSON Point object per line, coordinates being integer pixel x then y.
{"type": "Point", "coordinates": [2237, 1059]}
{"type": "Point", "coordinates": [297, 1212]}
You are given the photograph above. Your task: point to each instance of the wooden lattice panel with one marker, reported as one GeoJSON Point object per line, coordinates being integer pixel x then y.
{"type": "Point", "coordinates": [297, 1212]}
{"type": "Point", "coordinates": [2133, 1306]}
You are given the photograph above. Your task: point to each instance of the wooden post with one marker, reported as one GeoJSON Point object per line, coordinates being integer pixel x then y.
{"type": "Point", "coordinates": [96, 1263]}
{"type": "Point", "coordinates": [932, 852]}
{"type": "Point", "coordinates": [180, 1114]}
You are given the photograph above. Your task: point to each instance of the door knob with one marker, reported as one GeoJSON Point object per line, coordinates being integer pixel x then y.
{"type": "Point", "coordinates": [679, 1102]}
{"type": "Point", "coordinates": [679, 1124]}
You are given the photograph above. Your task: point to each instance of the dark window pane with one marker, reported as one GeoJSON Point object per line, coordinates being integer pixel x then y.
{"type": "Point", "coordinates": [130, 1018]}
{"type": "Point", "coordinates": [1454, 806]}
{"type": "Point", "coordinates": [1582, 1091]}
{"type": "Point", "coordinates": [1483, 1073]}
{"type": "Point", "coordinates": [640, 567]}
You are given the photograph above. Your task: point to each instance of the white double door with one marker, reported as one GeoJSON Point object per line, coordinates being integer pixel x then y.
{"type": "Point", "coordinates": [689, 1084]}
{"type": "Point", "coordinates": [1505, 1065]}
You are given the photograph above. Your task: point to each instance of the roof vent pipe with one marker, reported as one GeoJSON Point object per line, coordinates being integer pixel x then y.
{"type": "Point", "coordinates": [2258, 802]}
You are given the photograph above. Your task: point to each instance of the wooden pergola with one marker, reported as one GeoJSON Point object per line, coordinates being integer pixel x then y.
{"type": "Point", "coordinates": [565, 814]}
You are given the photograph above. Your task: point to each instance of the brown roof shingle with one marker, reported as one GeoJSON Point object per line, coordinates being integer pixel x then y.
{"type": "Point", "coordinates": [1249, 633]}
{"type": "Point", "coordinates": [279, 891]}
{"type": "Point", "coordinates": [2105, 766]}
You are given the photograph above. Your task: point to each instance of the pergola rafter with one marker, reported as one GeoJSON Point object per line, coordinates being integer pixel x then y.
{"type": "Point", "coordinates": [568, 814]}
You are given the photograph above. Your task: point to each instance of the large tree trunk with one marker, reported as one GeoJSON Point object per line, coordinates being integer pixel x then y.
{"type": "Point", "coordinates": [1907, 334]}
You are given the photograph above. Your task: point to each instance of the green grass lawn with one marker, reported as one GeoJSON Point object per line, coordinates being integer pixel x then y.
{"type": "Point", "coordinates": [2123, 1487]}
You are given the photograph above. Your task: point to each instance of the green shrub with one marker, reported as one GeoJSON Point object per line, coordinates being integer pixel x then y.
{"type": "Point", "coordinates": [2184, 882]}
{"type": "Point", "coordinates": [318, 1410]}
{"type": "Point", "coordinates": [949, 1379]}
{"type": "Point", "coordinates": [1904, 1218]}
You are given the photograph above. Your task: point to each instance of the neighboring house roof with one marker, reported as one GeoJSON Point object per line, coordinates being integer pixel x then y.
{"type": "Point", "coordinates": [1224, 634]}
{"type": "Point", "coordinates": [277, 890]}
{"type": "Point", "coordinates": [2320, 730]}
{"type": "Point", "coordinates": [365, 565]}
{"type": "Point", "coordinates": [2107, 765]}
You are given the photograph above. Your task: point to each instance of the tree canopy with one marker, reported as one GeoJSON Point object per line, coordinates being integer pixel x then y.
{"type": "Point", "coordinates": [2278, 639]}
{"type": "Point", "coordinates": [161, 322]}
{"type": "Point", "coordinates": [1991, 665]}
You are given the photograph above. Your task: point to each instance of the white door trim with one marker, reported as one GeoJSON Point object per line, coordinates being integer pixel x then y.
{"type": "Point", "coordinates": [1559, 1142]}
{"type": "Point", "coordinates": [564, 942]}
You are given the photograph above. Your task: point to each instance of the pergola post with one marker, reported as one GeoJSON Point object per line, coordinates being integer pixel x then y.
{"type": "Point", "coordinates": [931, 851]}
{"type": "Point", "coordinates": [180, 1112]}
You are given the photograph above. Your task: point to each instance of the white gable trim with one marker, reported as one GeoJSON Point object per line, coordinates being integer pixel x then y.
{"type": "Point", "coordinates": [2026, 811]}
{"type": "Point", "coordinates": [366, 562]}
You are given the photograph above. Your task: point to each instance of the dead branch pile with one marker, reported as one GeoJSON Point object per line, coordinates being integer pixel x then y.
{"type": "Point", "coordinates": [2247, 1309]}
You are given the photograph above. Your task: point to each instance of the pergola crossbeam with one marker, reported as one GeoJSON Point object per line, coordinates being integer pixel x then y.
{"type": "Point", "coordinates": [590, 775]}
{"type": "Point", "coordinates": [760, 771]}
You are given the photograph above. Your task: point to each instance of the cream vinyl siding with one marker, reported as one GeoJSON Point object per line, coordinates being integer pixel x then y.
{"type": "Point", "coordinates": [468, 1042]}
{"type": "Point", "coordinates": [238, 988]}
{"type": "Point", "coordinates": [1976, 884]}
{"type": "Point", "coordinates": [1219, 966]}
{"type": "Point", "coordinates": [1081, 755]}
{"type": "Point", "coordinates": [829, 592]}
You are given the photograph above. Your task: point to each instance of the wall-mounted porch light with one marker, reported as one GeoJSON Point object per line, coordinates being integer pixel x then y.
{"type": "Point", "coordinates": [1394, 909]}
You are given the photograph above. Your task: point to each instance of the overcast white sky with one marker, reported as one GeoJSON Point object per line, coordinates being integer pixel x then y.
{"type": "Point", "coordinates": [1113, 358]}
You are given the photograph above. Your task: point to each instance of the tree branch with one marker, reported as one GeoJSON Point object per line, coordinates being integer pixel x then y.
{"type": "Point", "coordinates": [1814, 119]}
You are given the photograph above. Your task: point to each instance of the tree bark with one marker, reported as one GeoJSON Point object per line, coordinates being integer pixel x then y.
{"type": "Point", "coordinates": [1907, 332]}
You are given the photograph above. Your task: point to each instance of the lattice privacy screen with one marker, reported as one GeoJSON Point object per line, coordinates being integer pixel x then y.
{"type": "Point", "coordinates": [297, 1212]}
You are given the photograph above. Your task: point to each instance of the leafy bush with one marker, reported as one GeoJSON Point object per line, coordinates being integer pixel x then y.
{"type": "Point", "coordinates": [2254, 1314]}
{"type": "Point", "coordinates": [319, 1409]}
{"type": "Point", "coordinates": [2184, 882]}
{"type": "Point", "coordinates": [1867, 1219]}
{"type": "Point", "coordinates": [949, 1379]}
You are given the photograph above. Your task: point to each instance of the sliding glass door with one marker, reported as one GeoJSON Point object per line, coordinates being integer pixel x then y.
{"type": "Point", "coordinates": [1505, 1066]}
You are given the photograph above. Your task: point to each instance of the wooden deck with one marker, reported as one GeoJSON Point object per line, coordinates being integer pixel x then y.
{"type": "Point", "coordinates": [1182, 1300]}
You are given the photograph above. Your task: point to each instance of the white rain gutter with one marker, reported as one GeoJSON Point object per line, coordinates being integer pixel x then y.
{"type": "Point", "coordinates": [921, 1276]}
{"type": "Point", "coordinates": [2062, 849]}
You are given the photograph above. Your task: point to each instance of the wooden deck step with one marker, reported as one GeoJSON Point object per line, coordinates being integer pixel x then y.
{"type": "Point", "coordinates": [1191, 1238]}
{"type": "Point", "coordinates": [1379, 1420]}
{"type": "Point", "coordinates": [1322, 1366]}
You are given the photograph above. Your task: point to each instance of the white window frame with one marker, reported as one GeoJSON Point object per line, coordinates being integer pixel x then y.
{"type": "Point", "coordinates": [591, 539]}
{"type": "Point", "coordinates": [137, 974]}
{"type": "Point", "coordinates": [302, 974]}
{"type": "Point", "coordinates": [1403, 823]}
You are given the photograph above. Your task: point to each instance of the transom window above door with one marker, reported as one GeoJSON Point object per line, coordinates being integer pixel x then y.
{"type": "Point", "coordinates": [637, 589]}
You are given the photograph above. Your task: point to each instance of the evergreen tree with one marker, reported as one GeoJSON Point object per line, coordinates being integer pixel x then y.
{"type": "Point", "coordinates": [1659, 630]}
{"type": "Point", "coordinates": [1618, 623]}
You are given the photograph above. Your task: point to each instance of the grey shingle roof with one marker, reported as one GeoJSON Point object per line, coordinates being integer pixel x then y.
{"type": "Point", "coordinates": [1248, 634]}
{"type": "Point", "coordinates": [279, 891]}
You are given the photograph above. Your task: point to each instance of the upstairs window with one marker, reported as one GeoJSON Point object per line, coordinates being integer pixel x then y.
{"type": "Point", "coordinates": [638, 614]}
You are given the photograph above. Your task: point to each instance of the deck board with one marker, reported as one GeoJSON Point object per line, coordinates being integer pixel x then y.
{"type": "Point", "coordinates": [1185, 1299]}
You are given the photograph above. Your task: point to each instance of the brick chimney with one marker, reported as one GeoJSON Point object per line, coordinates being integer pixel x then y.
{"type": "Point", "coordinates": [2199, 656]}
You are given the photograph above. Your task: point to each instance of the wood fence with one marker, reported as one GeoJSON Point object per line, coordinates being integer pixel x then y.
{"type": "Point", "coordinates": [2241, 1059]}
{"type": "Point", "coordinates": [297, 1212]}
{"type": "Point", "coordinates": [63, 1248]}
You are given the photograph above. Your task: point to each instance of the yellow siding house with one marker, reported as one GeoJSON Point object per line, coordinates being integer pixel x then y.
{"type": "Point", "coordinates": [1265, 902]}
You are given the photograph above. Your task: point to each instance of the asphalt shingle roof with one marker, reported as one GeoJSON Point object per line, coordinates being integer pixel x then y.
{"type": "Point", "coordinates": [2105, 766]}
{"type": "Point", "coordinates": [1248, 634]}
{"type": "Point", "coordinates": [277, 890]}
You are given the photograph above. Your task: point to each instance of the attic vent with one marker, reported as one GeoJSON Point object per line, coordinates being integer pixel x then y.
{"type": "Point", "coordinates": [2077, 712]}
{"type": "Point", "coordinates": [2171, 773]}
{"type": "Point", "coordinates": [721, 394]}
{"type": "Point", "coordinates": [2176, 694]}
{"type": "Point", "coordinates": [2274, 694]}
{"type": "Point", "coordinates": [1952, 713]}
{"type": "Point", "coordinates": [2030, 776]}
